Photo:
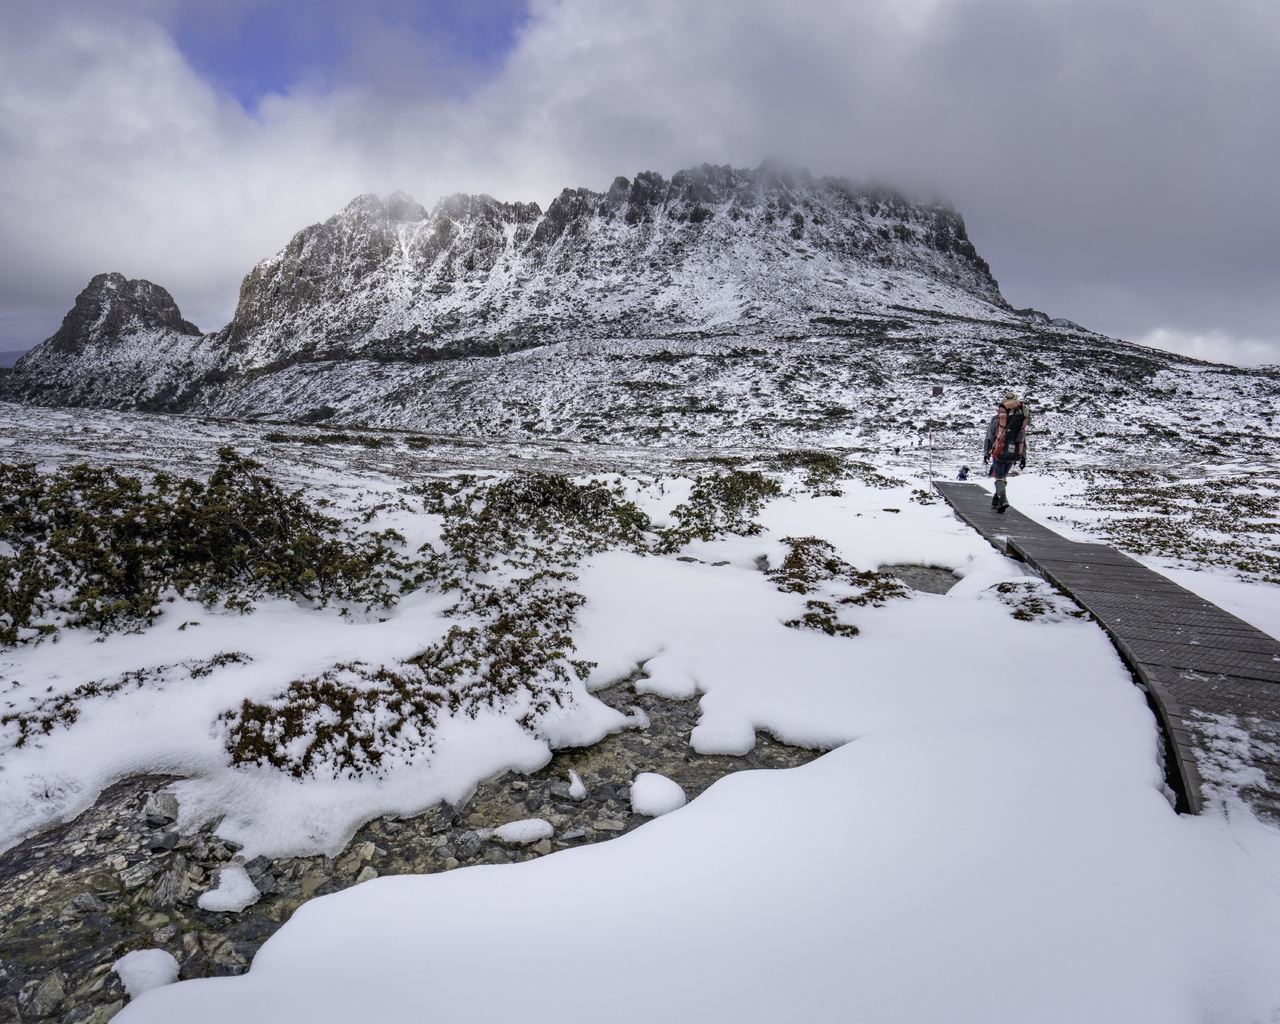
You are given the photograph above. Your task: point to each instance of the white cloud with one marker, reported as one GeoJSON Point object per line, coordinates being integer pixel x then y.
{"type": "Point", "coordinates": [1117, 141]}
{"type": "Point", "coordinates": [1215, 346]}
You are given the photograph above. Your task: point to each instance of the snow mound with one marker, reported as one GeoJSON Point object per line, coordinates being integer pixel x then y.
{"type": "Point", "coordinates": [653, 795]}
{"type": "Point", "coordinates": [577, 791]}
{"type": "Point", "coordinates": [145, 969]}
{"type": "Point", "coordinates": [527, 830]}
{"type": "Point", "coordinates": [235, 891]}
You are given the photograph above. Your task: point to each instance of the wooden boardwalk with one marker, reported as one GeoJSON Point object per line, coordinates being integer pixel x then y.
{"type": "Point", "coordinates": [1212, 679]}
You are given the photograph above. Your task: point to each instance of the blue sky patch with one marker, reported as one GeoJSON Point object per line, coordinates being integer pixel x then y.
{"type": "Point", "coordinates": [252, 48]}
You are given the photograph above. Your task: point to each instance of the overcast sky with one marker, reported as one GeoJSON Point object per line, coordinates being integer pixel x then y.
{"type": "Point", "coordinates": [1116, 161]}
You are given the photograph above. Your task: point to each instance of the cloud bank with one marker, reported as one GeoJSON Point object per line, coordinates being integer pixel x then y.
{"type": "Point", "coordinates": [1115, 161]}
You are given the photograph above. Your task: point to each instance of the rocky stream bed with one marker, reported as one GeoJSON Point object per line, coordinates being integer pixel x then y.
{"type": "Point", "coordinates": [120, 877]}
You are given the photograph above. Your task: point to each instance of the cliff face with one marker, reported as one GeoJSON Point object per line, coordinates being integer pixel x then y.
{"type": "Point", "coordinates": [124, 344]}
{"type": "Point", "coordinates": [353, 311]}
{"type": "Point", "coordinates": [713, 251]}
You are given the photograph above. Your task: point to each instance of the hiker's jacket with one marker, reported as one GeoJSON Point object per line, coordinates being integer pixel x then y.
{"type": "Point", "coordinates": [1018, 446]}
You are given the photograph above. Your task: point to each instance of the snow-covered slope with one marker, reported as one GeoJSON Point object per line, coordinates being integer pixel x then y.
{"type": "Point", "coordinates": [721, 308]}
{"type": "Point", "coordinates": [714, 252]}
{"type": "Point", "coordinates": [124, 344]}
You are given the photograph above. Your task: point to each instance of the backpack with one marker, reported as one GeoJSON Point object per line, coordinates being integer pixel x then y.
{"type": "Point", "coordinates": [1015, 421]}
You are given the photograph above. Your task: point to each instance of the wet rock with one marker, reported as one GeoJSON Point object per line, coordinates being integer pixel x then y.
{"type": "Point", "coordinates": [258, 866]}
{"type": "Point", "coordinates": [161, 808]}
{"type": "Point", "coordinates": [80, 905]}
{"type": "Point", "coordinates": [168, 890]}
{"type": "Point", "coordinates": [195, 964]}
{"type": "Point", "coordinates": [162, 841]}
{"type": "Point", "coordinates": [49, 995]}
{"type": "Point", "coordinates": [467, 844]}
{"type": "Point", "coordinates": [139, 874]}
{"type": "Point", "coordinates": [445, 818]}
{"type": "Point", "coordinates": [262, 874]}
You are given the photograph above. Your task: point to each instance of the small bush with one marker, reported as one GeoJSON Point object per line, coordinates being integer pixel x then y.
{"type": "Point", "coordinates": [97, 548]}
{"type": "Point", "coordinates": [719, 504]}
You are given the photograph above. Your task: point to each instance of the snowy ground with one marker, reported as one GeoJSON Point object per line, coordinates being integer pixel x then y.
{"type": "Point", "coordinates": [988, 840]}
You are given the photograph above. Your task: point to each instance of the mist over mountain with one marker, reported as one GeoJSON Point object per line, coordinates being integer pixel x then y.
{"type": "Point", "coordinates": [721, 306]}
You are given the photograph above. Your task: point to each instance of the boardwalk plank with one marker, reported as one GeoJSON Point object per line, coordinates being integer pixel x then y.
{"type": "Point", "coordinates": [1202, 666]}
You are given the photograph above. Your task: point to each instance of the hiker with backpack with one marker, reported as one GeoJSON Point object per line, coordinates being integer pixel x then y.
{"type": "Point", "coordinates": [1006, 445]}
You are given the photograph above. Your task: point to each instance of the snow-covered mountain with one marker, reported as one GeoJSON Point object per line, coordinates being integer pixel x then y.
{"type": "Point", "coordinates": [713, 252]}
{"type": "Point", "coordinates": [720, 307]}
{"type": "Point", "coordinates": [123, 344]}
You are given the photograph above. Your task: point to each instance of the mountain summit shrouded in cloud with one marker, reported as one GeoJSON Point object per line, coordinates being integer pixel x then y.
{"type": "Point", "coordinates": [721, 306]}
{"type": "Point", "coordinates": [715, 252]}
{"type": "Point", "coordinates": [1114, 156]}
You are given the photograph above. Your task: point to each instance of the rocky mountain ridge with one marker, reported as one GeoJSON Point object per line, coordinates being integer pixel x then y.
{"type": "Point", "coordinates": [720, 307]}
{"type": "Point", "coordinates": [713, 252]}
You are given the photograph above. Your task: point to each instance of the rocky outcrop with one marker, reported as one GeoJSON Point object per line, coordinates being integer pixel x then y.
{"type": "Point", "coordinates": [124, 344]}
{"type": "Point", "coordinates": [714, 252]}
{"type": "Point", "coordinates": [111, 308]}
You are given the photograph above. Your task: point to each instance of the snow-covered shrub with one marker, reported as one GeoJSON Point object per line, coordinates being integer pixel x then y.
{"type": "Point", "coordinates": [719, 504]}
{"type": "Point", "coordinates": [507, 551]}
{"type": "Point", "coordinates": [1233, 521]}
{"type": "Point", "coordinates": [823, 469]}
{"type": "Point", "coordinates": [94, 547]}
{"type": "Point", "coordinates": [1036, 600]}
{"type": "Point", "coordinates": [813, 567]}
{"type": "Point", "coordinates": [43, 714]}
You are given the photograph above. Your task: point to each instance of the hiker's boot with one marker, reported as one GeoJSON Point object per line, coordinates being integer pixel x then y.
{"type": "Point", "coordinates": [995, 502]}
{"type": "Point", "coordinates": [1004, 504]}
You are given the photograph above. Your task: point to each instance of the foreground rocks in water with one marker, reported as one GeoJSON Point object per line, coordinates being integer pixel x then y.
{"type": "Point", "coordinates": [120, 878]}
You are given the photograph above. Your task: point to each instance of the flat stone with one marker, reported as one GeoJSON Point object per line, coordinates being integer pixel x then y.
{"type": "Point", "coordinates": [369, 872]}
{"type": "Point", "coordinates": [48, 997]}
{"type": "Point", "coordinates": [162, 841]}
{"type": "Point", "coordinates": [82, 904]}
{"type": "Point", "coordinates": [138, 874]}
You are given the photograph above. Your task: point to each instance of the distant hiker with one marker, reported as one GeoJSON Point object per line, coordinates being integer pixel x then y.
{"type": "Point", "coordinates": [1006, 444]}
{"type": "Point", "coordinates": [963, 474]}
